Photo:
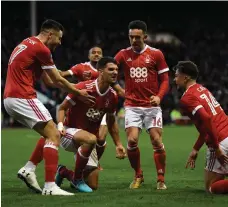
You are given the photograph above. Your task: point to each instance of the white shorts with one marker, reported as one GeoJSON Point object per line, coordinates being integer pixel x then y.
{"type": "Point", "coordinates": [67, 142]}
{"type": "Point", "coordinates": [143, 117]}
{"type": "Point", "coordinates": [103, 122]}
{"type": "Point", "coordinates": [27, 111]}
{"type": "Point", "coordinates": [212, 164]}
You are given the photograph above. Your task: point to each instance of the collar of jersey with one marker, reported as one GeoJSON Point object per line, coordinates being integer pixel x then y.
{"type": "Point", "coordinates": [142, 51]}
{"type": "Point", "coordinates": [98, 91]}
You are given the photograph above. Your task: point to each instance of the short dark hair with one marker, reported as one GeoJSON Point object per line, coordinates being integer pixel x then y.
{"type": "Point", "coordinates": [101, 64]}
{"type": "Point", "coordinates": [51, 24]}
{"type": "Point", "coordinates": [138, 24]}
{"type": "Point", "coordinates": [188, 68]}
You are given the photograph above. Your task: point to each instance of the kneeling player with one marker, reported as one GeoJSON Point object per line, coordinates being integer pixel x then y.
{"type": "Point", "coordinates": [81, 127]}
{"type": "Point", "coordinates": [212, 123]}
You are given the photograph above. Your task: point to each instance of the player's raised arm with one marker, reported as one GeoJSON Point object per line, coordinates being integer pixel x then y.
{"type": "Point", "coordinates": [114, 132]}
{"type": "Point", "coordinates": [119, 90]}
{"type": "Point", "coordinates": [65, 73]}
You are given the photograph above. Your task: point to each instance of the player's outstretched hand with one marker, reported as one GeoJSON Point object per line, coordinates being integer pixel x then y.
{"type": "Point", "coordinates": [222, 158]}
{"type": "Point", "coordinates": [87, 75]}
{"type": "Point", "coordinates": [192, 159]}
{"type": "Point", "coordinates": [86, 98]}
{"type": "Point", "coordinates": [120, 152]}
{"type": "Point", "coordinates": [61, 129]}
{"type": "Point", "coordinates": [155, 100]}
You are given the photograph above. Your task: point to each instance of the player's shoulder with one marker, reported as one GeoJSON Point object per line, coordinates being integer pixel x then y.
{"type": "Point", "coordinates": [125, 50]}
{"type": "Point", "coordinates": [153, 50]}
{"type": "Point", "coordinates": [89, 84]}
{"type": "Point", "coordinates": [191, 94]}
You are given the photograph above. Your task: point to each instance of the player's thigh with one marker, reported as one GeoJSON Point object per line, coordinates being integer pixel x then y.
{"type": "Point", "coordinates": [211, 177]}
{"type": "Point", "coordinates": [84, 137]}
{"type": "Point", "coordinates": [67, 142]}
{"type": "Point", "coordinates": [103, 131]}
{"type": "Point", "coordinates": [29, 112]}
{"type": "Point", "coordinates": [134, 117]}
{"type": "Point", "coordinates": [153, 123]}
{"type": "Point", "coordinates": [213, 169]}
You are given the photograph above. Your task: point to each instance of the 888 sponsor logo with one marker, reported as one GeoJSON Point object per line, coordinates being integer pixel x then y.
{"type": "Point", "coordinates": [139, 74]}
{"type": "Point", "coordinates": [94, 114]}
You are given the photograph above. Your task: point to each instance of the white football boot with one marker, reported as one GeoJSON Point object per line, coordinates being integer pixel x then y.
{"type": "Point", "coordinates": [29, 177]}
{"type": "Point", "coordinates": [55, 190]}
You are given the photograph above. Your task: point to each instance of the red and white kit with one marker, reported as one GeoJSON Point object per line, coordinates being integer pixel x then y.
{"type": "Point", "coordinates": [196, 98]}
{"type": "Point", "coordinates": [81, 116]}
{"type": "Point", "coordinates": [25, 67]}
{"type": "Point", "coordinates": [143, 72]}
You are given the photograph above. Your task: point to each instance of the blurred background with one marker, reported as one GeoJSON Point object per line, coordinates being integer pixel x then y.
{"type": "Point", "coordinates": [196, 31]}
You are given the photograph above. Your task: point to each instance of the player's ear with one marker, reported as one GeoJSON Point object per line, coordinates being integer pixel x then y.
{"type": "Point", "coordinates": [145, 36]}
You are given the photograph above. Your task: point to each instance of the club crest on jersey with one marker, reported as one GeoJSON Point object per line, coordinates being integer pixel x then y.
{"type": "Point", "coordinates": [106, 103]}
{"type": "Point", "coordinates": [147, 59]}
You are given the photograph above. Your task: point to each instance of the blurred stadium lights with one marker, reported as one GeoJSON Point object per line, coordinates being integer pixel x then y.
{"type": "Point", "coordinates": [33, 18]}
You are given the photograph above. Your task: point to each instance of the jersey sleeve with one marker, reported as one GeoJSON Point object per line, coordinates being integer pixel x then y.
{"type": "Point", "coordinates": [75, 70]}
{"type": "Point", "coordinates": [71, 97]}
{"type": "Point", "coordinates": [119, 57]}
{"type": "Point", "coordinates": [45, 58]}
{"type": "Point", "coordinates": [190, 104]}
{"type": "Point", "coordinates": [161, 64]}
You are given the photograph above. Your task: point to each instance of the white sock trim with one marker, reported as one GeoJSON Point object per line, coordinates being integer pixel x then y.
{"type": "Point", "coordinates": [101, 145]}
{"type": "Point", "coordinates": [160, 148]}
{"type": "Point", "coordinates": [81, 155]}
{"type": "Point", "coordinates": [131, 148]}
{"type": "Point", "coordinates": [30, 166]}
{"type": "Point", "coordinates": [50, 145]}
{"type": "Point", "coordinates": [49, 185]}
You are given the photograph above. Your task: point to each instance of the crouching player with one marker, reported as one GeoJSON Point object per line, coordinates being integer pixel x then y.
{"type": "Point", "coordinates": [82, 122]}
{"type": "Point", "coordinates": [212, 123]}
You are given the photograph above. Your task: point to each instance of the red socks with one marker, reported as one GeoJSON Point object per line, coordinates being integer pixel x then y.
{"type": "Point", "coordinates": [100, 150]}
{"type": "Point", "coordinates": [50, 154]}
{"type": "Point", "coordinates": [134, 158]}
{"type": "Point", "coordinates": [219, 187]}
{"type": "Point", "coordinates": [37, 155]}
{"type": "Point", "coordinates": [160, 162]}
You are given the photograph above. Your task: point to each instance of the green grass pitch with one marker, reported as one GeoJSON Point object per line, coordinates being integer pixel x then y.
{"type": "Point", "coordinates": [185, 187]}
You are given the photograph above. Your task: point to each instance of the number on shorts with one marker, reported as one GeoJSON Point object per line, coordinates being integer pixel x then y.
{"type": "Point", "coordinates": [157, 122]}
{"type": "Point", "coordinates": [16, 52]}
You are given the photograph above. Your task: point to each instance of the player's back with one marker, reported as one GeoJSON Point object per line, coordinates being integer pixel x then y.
{"type": "Point", "coordinates": [87, 117]}
{"type": "Point", "coordinates": [141, 72]}
{"type": "Point", "coordinates": [24, 68]}
{"type": "Point", "coordinates": [78, 70]}
{"type": "Point", "coordinates": [212, 107]}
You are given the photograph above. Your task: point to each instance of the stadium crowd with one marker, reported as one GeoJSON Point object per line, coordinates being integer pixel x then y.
{"type": "Point", "coordinates": [203, 41]}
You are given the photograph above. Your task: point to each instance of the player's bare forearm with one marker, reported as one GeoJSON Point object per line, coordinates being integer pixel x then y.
{"type": "Point", "coordinates": [61, 114]}
{"type": "Point", "coordinates": [64, 73]}
{"type": "Point", "coordinates": [113, 128]}
{"type": "Point", "coordinates": [120, 91]}
{"type": "Point", "coordinates": [164, 85]}
{"type": "Point", "coordinates": [61, 82]}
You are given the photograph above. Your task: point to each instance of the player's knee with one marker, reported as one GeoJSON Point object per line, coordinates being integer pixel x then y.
{"type": "Point", "coordinates": [132, 144]}
{"type": "Point", "coordinates": [54, 137]}
{"type": "Point", "coordinates": [92, 139]}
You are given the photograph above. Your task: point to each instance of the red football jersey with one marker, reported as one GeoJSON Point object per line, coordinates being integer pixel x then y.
{"type": "Point", "coordinates": [78, 70]}
{"type": "Point", "coordinates": [82, 116]}
{"type": "Point", "coordinates": [25, 67]}
{"type": "Point", "coordinates": [141, 72]}
{"type": "Point", "coordinates": [197, 97]}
